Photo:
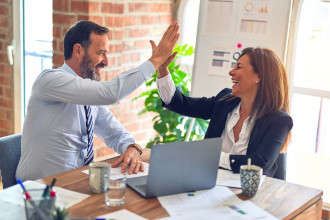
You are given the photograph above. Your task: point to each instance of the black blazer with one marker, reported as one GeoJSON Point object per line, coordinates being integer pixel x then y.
{"type": "Point", "coordinates": [267, 136]}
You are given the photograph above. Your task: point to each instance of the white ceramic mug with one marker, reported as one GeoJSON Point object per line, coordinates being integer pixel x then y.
{"type": "Point", "coordinates": [98, 174]}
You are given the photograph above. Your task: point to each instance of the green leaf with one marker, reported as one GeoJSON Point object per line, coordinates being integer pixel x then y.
{"type": "Point", "coordinates": [168, 125]}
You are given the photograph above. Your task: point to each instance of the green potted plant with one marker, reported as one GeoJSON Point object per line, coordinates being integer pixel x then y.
{"type": "Point", "coordinates": [168, 125]}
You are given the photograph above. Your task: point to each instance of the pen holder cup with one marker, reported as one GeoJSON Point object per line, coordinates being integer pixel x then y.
{"type": "Point", "coordinates": [250, 179]}
{"type": "Point", "coordinates": [38, 207]}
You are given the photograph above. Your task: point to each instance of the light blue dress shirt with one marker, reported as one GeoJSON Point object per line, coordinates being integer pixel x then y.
{"type": "Point", "coordinates": [54, 136]}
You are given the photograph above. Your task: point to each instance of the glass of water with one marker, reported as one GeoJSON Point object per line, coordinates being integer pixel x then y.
{"type": "Point", "coordinates": [115, 194]}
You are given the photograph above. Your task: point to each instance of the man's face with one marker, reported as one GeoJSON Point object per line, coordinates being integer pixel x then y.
{"type": "Point", "coordinates": [95, 58]}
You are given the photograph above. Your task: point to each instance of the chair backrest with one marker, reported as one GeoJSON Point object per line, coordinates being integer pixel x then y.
{"type": "Point", "coordinates": [10, 153]}
{"type": "Point", "coordinates": [281, 167]}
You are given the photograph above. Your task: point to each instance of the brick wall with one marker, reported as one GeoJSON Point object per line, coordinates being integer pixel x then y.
{"type": "Point", "coordinates": [6, 71]}
{"type": "Point", "coordinates": [132, 24]}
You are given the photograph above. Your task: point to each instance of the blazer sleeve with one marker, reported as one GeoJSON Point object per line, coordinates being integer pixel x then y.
{"type": "Point", "coordinates": [194, 107]}
{"type": "Point", "coordinates": [265, 144]}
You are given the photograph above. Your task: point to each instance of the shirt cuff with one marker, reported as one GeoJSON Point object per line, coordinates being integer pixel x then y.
{"type": "Point", "coordinates": [224, 160]}
{"type": "Point", "coordinates": [166, 88]}
{"type": "Point", "coordinates": [148, 69]}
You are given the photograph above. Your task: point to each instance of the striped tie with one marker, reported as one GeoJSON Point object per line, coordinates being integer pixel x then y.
{"type": "Point", "coordinates": [90, 131]}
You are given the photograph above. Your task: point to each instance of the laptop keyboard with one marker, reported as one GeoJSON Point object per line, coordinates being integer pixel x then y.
{"type": "Point", "coordinates": [142, 187]}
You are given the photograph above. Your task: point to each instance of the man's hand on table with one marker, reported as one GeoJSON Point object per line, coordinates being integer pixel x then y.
{"type": "Point", "coordinates": [132, 158]}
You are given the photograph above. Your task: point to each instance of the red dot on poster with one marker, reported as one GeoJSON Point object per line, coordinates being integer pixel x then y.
{"type": "Point", "coordinates": [239, 45]}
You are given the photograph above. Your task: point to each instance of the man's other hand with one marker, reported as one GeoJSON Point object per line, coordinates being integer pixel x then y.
{"type": "Point", "coordinates": [131, 158]}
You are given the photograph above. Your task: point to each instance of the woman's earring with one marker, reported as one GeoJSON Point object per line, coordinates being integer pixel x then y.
{"type": "Point", "coordinates": [256, 82]}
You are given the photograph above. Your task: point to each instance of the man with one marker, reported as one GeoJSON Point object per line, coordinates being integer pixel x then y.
{"type": "Point", "coordinates": [66, 105]}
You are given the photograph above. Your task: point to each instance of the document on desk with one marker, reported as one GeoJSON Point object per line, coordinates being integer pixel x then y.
{"type": "Point", "coordinates": [64, 198]}
{"type": "Point", "coordinates": [217, 203]}
{"type": "Point", "coordinates": [230, 179]}
{"type": "Point", "coordinates": [116, 172]}
{"type": "Point", "coordinates": [123, 214]}
{"type": "Point", "coordinates": [11, 211]}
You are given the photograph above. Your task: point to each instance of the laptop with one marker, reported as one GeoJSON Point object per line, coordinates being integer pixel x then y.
{"type": "Point", "coordinates": [180, 167]}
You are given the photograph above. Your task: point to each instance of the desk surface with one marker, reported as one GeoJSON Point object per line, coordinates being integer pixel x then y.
{"type": "Point", "coordinates": [282, 199]}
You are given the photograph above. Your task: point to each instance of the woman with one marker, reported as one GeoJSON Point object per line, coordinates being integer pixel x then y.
{"type": "Point", "coordinates": [252, 117]}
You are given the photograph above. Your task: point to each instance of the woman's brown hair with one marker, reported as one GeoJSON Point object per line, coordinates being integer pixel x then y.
{"type": "Point", "coordinates": [273, 91]}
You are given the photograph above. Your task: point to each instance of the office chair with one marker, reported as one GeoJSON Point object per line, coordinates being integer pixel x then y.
{"type": "Point", "coordinates": [281, 167]}
{"type": "Point", "coordinates": [10, 153]}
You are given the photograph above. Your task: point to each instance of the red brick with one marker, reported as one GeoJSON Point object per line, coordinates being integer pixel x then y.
{"type": "Point", "coordinates": [8, 92]}
{"type": "Point", "coordinates": [55, 48]}
{"type": "Point", "coordinates": [129, 20]}
{"type": "Point", "coordinates": [114, 21]}
{"type": "Point", "coordinates": [123, 107]}
{"type": "Point", "coordinates": [112, 61]}
{"type": "Point", "coordinates": [139, 7]}
{"type": "Point", "coordinates": [142, 44]}
{"type": "Point", "coordinates": [4, 133]}
{"type": "Point", "coordinates": [63, 19]}
{"type": "Point", "coordinates": [125, 58]}
{"type": "Point", "coordinates": [57, 32]}
{"type": "Point", "coordinates": [3, 56]}
{"type": "Point", "coordinates": [118, 34]}
{"type": "Point", "coordinates": [96, 19]}
{"type": "Point", "coordinates": [5, 125]}
{"type": "Point", "coordinates": [149, 19]}
{"type": "Point", "coordinates": [136, 33]}
{"type": "Point", "coordinates": [9, 115]}
{"type": "Point", "coordinates": [132, 127]}
{"type": "Point", "coordinates": [6, 69]}
{"type": "Point", "coordinates": [118, 48]}
{"type": "Point", "coordinates": [128, 45]}
{"type": "Point", "coordinates": [4, 22]}
{"type": "Point", "coordinates": [61, 5]}
{"type": "Point", "coordinates": [4, 10]}
{"type": "Point", "coordinates": [4, 34]}
{"type": "Point", "coordinates": [60, 46]}
{"type": "Point", "coordinates": [6, 103]}
{"type": "Point", "coordinates": [97, 141]}
{"type": "Point", "coordinates": [159, 8]}
{"type": "Point", "coordinates": [112, 74]}
{"type": "Point", "coordinates": [102, 152]}
{"type": "Point", "coordinates": [135, 57]}
{"type": "Point", "coordinates": [85, 7]}
{"type": "Point", "coordinates": [112, 8]}
{"type": "Point", "coordinates": [4, 80]}
{"type": "Point", "coordinates": [110, 35]}
{"type": "Point", "coordinates": [2, 114]}
{"type": "Point", "coordinates": [166, 19]}
{"type": "Point", "coordinates": [58, 59]}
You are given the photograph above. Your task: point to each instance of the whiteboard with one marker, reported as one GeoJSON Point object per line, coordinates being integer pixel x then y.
{"type": "Point", "coordinates": [225, 27]}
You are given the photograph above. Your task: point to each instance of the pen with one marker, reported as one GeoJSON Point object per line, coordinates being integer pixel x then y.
{"type": "Point", "coordinates": [29, 198]}
{"type": "Point", "coordinates": [23, 187]}
{"type": "Point", "coordinates": [52, 184]}
{"type": "Point", "coordinates": [45, 193]}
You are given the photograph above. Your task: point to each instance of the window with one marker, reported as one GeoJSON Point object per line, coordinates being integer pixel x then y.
{"type": "Point", "coordinates": [309, 153]}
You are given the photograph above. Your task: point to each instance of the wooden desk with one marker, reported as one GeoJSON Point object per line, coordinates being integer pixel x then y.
{"type": "Point", "coordinates": [282, 199]}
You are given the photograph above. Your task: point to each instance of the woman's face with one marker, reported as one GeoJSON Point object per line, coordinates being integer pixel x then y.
{"type": "Point", "coordinates": [245, 80]}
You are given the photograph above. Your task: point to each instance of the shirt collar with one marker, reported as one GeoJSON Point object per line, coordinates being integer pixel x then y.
{"type": "Point", "coordinates": [68, 69]}
{"type": "Point", "coordinates": [236, 109]}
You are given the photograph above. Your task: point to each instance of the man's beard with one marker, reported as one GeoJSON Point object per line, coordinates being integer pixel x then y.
{"type": "Point", "coordinates": [87, 68]}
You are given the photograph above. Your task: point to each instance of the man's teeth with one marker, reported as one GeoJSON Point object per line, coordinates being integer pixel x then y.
{"type": "Point", "coordinates": [235, 81]}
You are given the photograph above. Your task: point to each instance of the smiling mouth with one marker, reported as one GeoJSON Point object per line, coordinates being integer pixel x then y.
{"type": "Point", "coordinates": [234, 81]}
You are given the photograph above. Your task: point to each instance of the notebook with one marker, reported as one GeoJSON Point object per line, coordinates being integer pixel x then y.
{"type": "Point", "coordinates": [179, 167]}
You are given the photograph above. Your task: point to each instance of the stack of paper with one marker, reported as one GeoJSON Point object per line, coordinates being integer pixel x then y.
{"type": "Point", "coordinates": [217, 203]}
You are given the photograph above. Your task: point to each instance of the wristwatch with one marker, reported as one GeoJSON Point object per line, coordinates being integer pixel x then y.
{"type": "Point", "coordinates": [137, 147]}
